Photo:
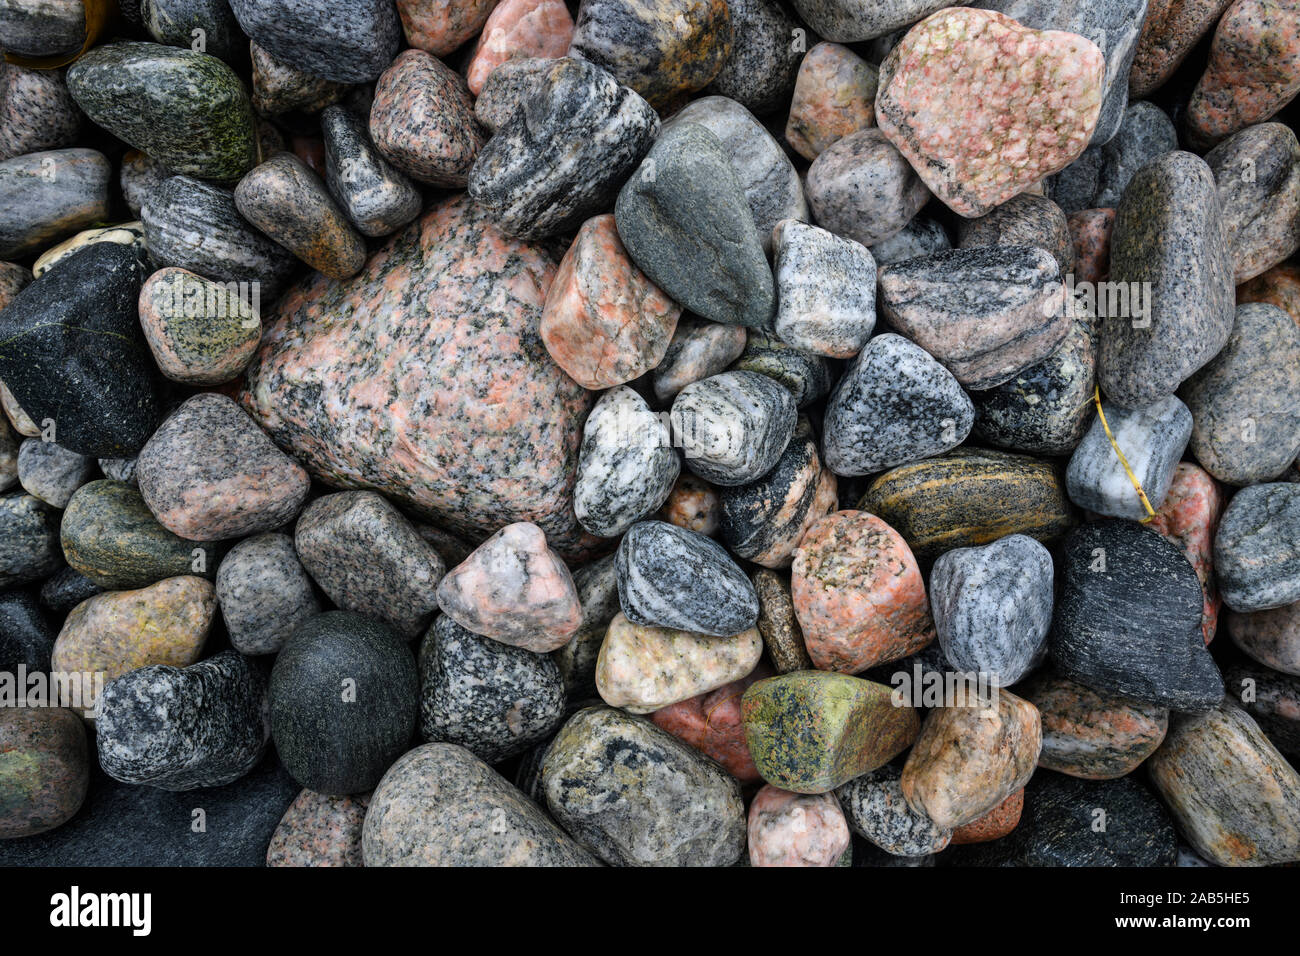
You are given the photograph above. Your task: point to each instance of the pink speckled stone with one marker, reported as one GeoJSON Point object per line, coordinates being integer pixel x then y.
{"type": "Point", "coordinates": [1254, 69]}
{"type": "Point", "coordinates": [858, 594]}
{"type": "Point", "coordinates": [995, 824]}
{"type": "Point", "coordinates": [1170, 30]}
{"type": "Point", "coordinates": [318, 830]}
{"type": "Point", "coordinates": [984, 108]}
{"type": "Point", "coordinates": [519, 28]}
{"type": "Point", "coordinates": [1090, 230]}
{"type": "Point", "coordinates": [440, 26]}
{"type": "Point", "coordinates": [604, 322]}
{"type": "Point", "coordinates": [712, 723]}
{"type": "Point", "coordinates": [796, 829]}
{"type": "Point", "coordinates": [834, 95]}
{"type": "Point", "coordinates": [424, 378]}
{"type": "Point", "coordinates": [514, 589]}
{"type": "Point", "coordinates": [1189, 518]}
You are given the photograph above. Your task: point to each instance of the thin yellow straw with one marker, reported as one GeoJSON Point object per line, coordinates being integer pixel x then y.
{"type": "Point", "coordinates": [1137, 485]}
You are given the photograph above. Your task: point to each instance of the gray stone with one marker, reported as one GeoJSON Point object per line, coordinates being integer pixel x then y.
{"type": "Point", "coordinates": [825, 289]}
{"type": "Point", "coordinates": [1024, 220]}
{"type": "Point", "coordinates": [1257, 172]}
{"type": "Point", "coordinates": [920, 237]}
{"type": "Point", "coordinates": [847, 21]}
{"type": "Point", "coordinates": [51, 472]}
{"type": "Point", "coordinates": [862, 188]}
{"type": "Point", "coordinates": [697, 351]}
{"type": "Point", "coordinates": [1257, 548]}
{"type": "Point", "coordinates": [29, 540]}
{"type": "Point", "coordinates": [597, 584]}
{"type": "Point", "coordinates": [48, 195]}
{"type": "Point", "coordinates": [760, 70]}
{"type": "Point", "coordinates": [506, 88]}
{"type": "Point", "coordinates": [377, 198]}
{"type": "Point", "coordinates": [1098, 178]}
{"type": "Point", "coordinates": [734, 426]}
{"type": "Point", "coordinates": [347, 41]}
{"type": "Point", "coordinates": [805, 375]}
{"type": "Point", "coordinates": [264, 593]}
{"type": "Point", "coordinates": [876, 810]}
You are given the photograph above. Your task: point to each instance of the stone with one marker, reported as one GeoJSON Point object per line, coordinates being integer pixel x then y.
{"type": "Point", "coordinates": [1257, 174]}
{"type": "Point", "coordinates": [759, 73]}
{"type": "Point", "coordinates": [72, 353]}
{"type": "Point", "coordinates": [876, 810]}
{"type": "Point", "coordinates": [51, 473]}
{"type": "Point", "coordinates": [604, 322]}
{"type": "Point", "coordinates": [562, 156]}
{"type": "Point", "coordinates": [986, 313]}
{"type": "Point", "coordinates": [778, 624]}
{"type": "Point", "coordinates": [44, 771]}
{"type": "Point", "coordinates": [26, 637]}
{"type": "Point", "coordinates": [264, 593]}
{"type": "Point", "coordinates": [772, 187]}
{"type": "Point", "coordinates": [29, 542]}
{"type": "Point", "coordinates": [811, 731]}
{"type": "Point", "coordinates": [1168, 233]}
{"type": "Point", "coordinates": [1272, 702]}
{"type": "Point", "coordinates": [662, 51]}
{"type": "Point", "coordinates": [37, 30]}
{"type": "Point", "coordinates": [1256, 560]}
{"type": "Point", "coordinates": [1098, 178]}
{"type": "Point", "coordinates": [199, 331]}
{"type": "Point", "coordinates": [116, 632]}
{"type": "Point", "coordinates": [733, 427]}
{"type": "Point", "coordinates": [635, 795]}
{"type": "Point", "coordinates": [597, 585]}
{"type": "Point", "coordinates": [712, 723]}
{"type": "Point", "coordinates": [968, 497]}
{"type": "Point", "coordinates": [1019, 96]}
{"type": "Point", "coordinates": [862, 188]}
{"type": "Point", "coordinates": [1043, 409]}
{"type": "Point", "coordinates": [697, 350]}
{"type": "Point", "coordinates": [669, 577]}
{"type": "Point", "coordinates": [1279, 286]}
{"type": "Point", "coordinates": [139, 177]}
{"type": "Point", "coordinates": [1189, 518]}
{"type": "Point", "coordinates": [514, 589]}
{"type": "Point", "coordinates": [493, 699]}
{"type": "Point", "coordinates": [626, 464]}
{"type": "Point", "coordinates": [1095, 735]}
{"type": "Point", "coordinates": [846, 22]}
{"type": "Point", "coordinates": [348, 42]}
{"type": "Point", "coordinates": [920, 237]}
{"type": "Point", "coordinates": [291, 204]}
{"type": "Point", "coordinates": [319, 830]}
{"type": "Point", "coordinates": [506, 89]}
{"type": "Point", "coordinates": [693, 504]}
{"type": "Point", "coordinates": [210, 473]}
{"type": "Point", "coordinates": [796, 829]}
{"type": "Point", "coordinates": [685, 220]}
{"type": "Point", "coordinates": [47, 195]}
{"type": "Point", "coordinates": [371, 560]}
{"type": "Point", "coordinates": [36, 112]}
{"type": "Point", "coordinates": [1128, 619]}
{"type": "Point", "coordinates": [519, 28]}
{"type": "Point", "coordinates": [1253, 70]}
{"type": "Point", "coordinates": [22, 422]}
{"type": "Point", "coordinates": [181, 728]}
{"type": "Point", "coordinates": [805, 375]}
{"type": "Point", "coordinates": [187, 110]}
{"type": "Point", "coordinates": [63, 591]}
{"type": "Point", "coordinates": [1172, 28]}
{"type": "Point", "coordinates": [1151, 440]}
{"type": "Point", "coordinates": [439, 805]}
{"type": "Point", "coordinates": [895, 404]}
{"type": "Point", "coordinates": [127, 234]}
{"type": "Point", "coordinates": [834, 96]}
{"type": "Point", "coordinates": [279, 88]}
{"type": "Point", "coordinates": [825, 289]}
{"type": "Point", "coordinates": [1024, 220]}
{"type": "Point", "coordinates": [459, 301]}
{"type": "Point", "coordinates": [195, 226]}
{"type": "Point", "coordinates": [1234, 797]}
{"type": "Point", "coordinates": [995, 824]}
{"type": "Point", "coordinates": [441, 26]}
{"type": "Point", "coordinates": [1271, 636]}
{"type": "Point", "coordinates": [422, 121]}
{"type": "Point", "coordinates": [642, 668]}
{"type": "Point", "coordinates": [376, 198]}
{"type": "Point", "coordinates": [967, 760]}
{"type": "Point", "coordinates": [8, 456]}
{"type": "Point", "coordinates": [344, 699]}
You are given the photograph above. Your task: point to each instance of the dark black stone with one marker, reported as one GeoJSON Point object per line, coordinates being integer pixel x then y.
{"type": "Point", "coordinates": [29, 540]}
{"type": "Point", "coordinates": [67, 588]}
{"type": "Point", "coordinates": [26, 637]}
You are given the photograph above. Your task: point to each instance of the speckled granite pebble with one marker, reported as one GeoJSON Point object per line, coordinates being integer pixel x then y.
{"type": "Point", "coordinates": [347, 41]}
{"type": "Point", "coordinates": [440, 26]}
{"type": "Point", "coordinates": [759, 73]}
{"type": "Point", "coordinates": [834, 95]}
{"type": "Point", "coordinates": [1098, 178]}
{"type": "Point", "coordinates": [506, 89]}
{"type": "Point", "coordinates": [796, 829]}
{"type": "Point", "coordinates": [376, 198]}
{"type": "Point", "coordinates": [597, 585]}
{"type": "Point", "coordinates": [877, 811]}
{"type": "Point", "coordinates": [1257, 549]}
{"type": "Point", "coordinates": [45, 196]}
{"type": "Point", "coordinates": [825, 287]}
{"type": "Point", "coordinates": [264, 593]}
{"type": "Point", "coordinates": [860, 187]}
{"type": "Point", "coordinates": [733, 427]}
{"type": "Point", "coordinates": [1172, 28]}
{"type": "Point", "coordinates": [920, 237]}
{"type": "Point", "coordinates": [1271, 637]}
{"type": "Point", "coordinates": [319, 830]}
{"type": "Point", "coordinates": [1024, 220]}
{"type": "Point", "coordinates": [44, 769]}
{"type": "Point", "coordinates": [280, 88]}
{"type": "Point", "coordinates": [36, 111]}
{"type": "Point", "coordinates": [200, 332]}
{"type": "Point", "coordinates": [1257, 172]}
{"type": "Point", "coordinates": [50, 472]}
{"type": "Point", "coordinates": [782, 636]}
{"type": "Point", "coordinates": [697, 351]}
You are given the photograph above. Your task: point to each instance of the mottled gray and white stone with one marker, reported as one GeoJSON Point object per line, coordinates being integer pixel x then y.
{"type": "Point", "coordinates": [119, 469]}
{"type": "Point", "coordinates": [36, 111]}
{"type": "Point", "coordinates": [1098, 178]}
{"type": "Point", "coordinates": [922, 236]}
{"type": "Point", "coordinates": [279, 88]}
{"type": "Point", "coordinates": [805, 375]}
{"type": "Point", "coordinates": [992, 607]}
{"type": "Point", "coordinates": [626, 464]}
{"type": "Point", "coordinates": [848, 21]}
{"type": "Point", "coordinates": [1257, 548]}
{"type": "Point", "coordinates": [562, 156]}
{"type": "Point", "coordinates": [174, 22]}
{"type": "Point", "coordinates": [48, 195]}
{"type": "Point", "coordinates": [825, 290]}
{"type": "Point", "coordinates": [674, 578]}
{"type": "Point", "coordinates": [760, 70]}
{"type": "Point", "coordinates": [876, 810]}
{"type": "Point", "coordinates": [698, 350]}
{"type": "Point", "coordinates": [347, 41]}
{"type": "Point", "coordinates": [29, 539]}
{"type": "Point", "coordinates": [1152, 440]}
{"type": "Point", "coordinates": [734, 426]}
{"type": "Point", "coordinates": [1257, 172]}
{"type": "Point", "coordinates": [894, 404]}
{"type": "Point", "coordinates": [862, 188]}
{"type": "Point", "coordinates": [50, 472]}
{"type": "Point", "coordinates": [1024, 220]}
{"type": "Point", "coordinates": [42, 28]}
{"type": "Point", "coordinates": [506, 88]}
{"type": "Point", "coordinates": [181, 728]}
{"type": "Point", "coordinates": [264, 593]}
{"type": "Point", "coordinates": [377, 198]}
{"type": "Point", "coordinates": [597, 584]}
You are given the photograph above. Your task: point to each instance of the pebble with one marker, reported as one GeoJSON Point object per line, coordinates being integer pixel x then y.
{"type": "Point", "coordinates": [37, 30]}
{"type": "Point", "coordinates": [45, 772]}
{"type": "Point", "coordinates": [506, 89]}
{"type": "Point", "coordinates": [796, 829]}
{"type": "Point", "coordinates": [693, 504]}
{"type": "Point", "coordinates": [319, 830]}
{"type": "Point", "coordinates": [22, 422]}
{"type": "Point", "coordinates": [1024, 220]}
{"type": "Point", "coordinates": [1091, 229]}
{"type": "Point", "coordinates": [920, 237]}
{"type": "Point", "coordinates": [811, 731]}
{"type": "Point", "coordinates": [1279, 286]}
{"type": "Point", "coordinates": [45, 196]}
{"type": "Point", "coordinates": [597, 585]}
{"type": "Point", "coordinates": [279, 88]}
{"type": "Point", "coordinates": [441, 26]}
{"type": "Point", "coordinates": [805, 375]}
{"type": "Point", "coordinates": [199, 331]}
{"type": "Point", "coordinates": [29, 540]}
{"type": "Point", "coordinates": [344, 42]}
{"type": "Point", "coordinates": [36, 112]}
{"type": "Point", "coordinates": [344, 695]}
{"type": "Point", "coordinates": [1234, 797]}
{"type": "Point", "coordinates": [264, 593]}
{"type": "Point", "coordinates": [1172, 28]}
{"type": "Point", "coordinates": [778, 624]}
{"type": "Point", "coordinates": [697, 350]}
{"type": "Point", "coordinates": [1271, 636]}
{"type": "Point", "coordinates": [493, 699]}
{"type": "Point", "coordinates": [8, 455]}
{"type": "Point", "coordinates": [560, 159]}
{"type": "Point", "coordinates": [1273, 701]}
{"type": "Point", "coordinates": [51, 473]}
{"type": "Point", "coordinates": [1257, 172]}
{"type": "Point", "coordinates": [139, 177]}
{"type": "Point", "coordinates": [514, 589]}
{"type": "Point", "coordinates": [986, 313]}
{"type": "Point", "coordinates": [1169, 233]}
{"type": "Point", "coordinates": [127, 234]}
{"type": "Point", "coordinates": [733, 427]}
{"type": "Point", "coordinates": [834, 96]}
{"type": "Point", "coordinates": [712, 723]}
{"type": "Point", "coordinates": [519, 28]}
{"type": "Point", "coordinates": [862, 188]}
{"type": "Point", "coordinates": [1128, 619]}
{"type": "Point", "coordinates": [995, 824]}
{"type": "Point", "coordinates": [969, 497]}
{"type": "Point", "coordinates": [626, 464]}
{"type": "Point", "coordinates": [1098, 178]}
{"type": "Point", "coordinates": [604, 322]}
{"type": "Point", "coordinates": [845, 21]}
{"type": "Point", "coordinates": [26, 637]}
{"type": "Point", "coordinates": [187, 110]}
{"type": "Point", "coordinates": [685, 220]}
{"type": "Point", "coordinates": [877, 811]}
{"type": "Point", "coordinates": [1095, 735]}
{"type": "Point", "coordinates": [439, 805]}
{"type": "Point", "coordinates": [1255, 556]}
{"type": "Point", "coordinates": [950, 142]}
{"type": "Point", "coordinates": [1189, 518]}
{"type": "Point", "coordinates": [377, 199]}
{"type": "Point", "coordinates": [759, 73]}
{"type": "Point", "coordinates": [1151, 439]}
{"type": "Point", "coordinates": [825, 289]}
{"type": "Point", "coordinates": [210, 473]}
{"type": "Point", "coordinates": [635, 795]}
{"type": "Point", "coordinates": [63, 591]}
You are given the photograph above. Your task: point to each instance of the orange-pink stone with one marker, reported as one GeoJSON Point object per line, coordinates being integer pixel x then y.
{"type": "Point", "coordinates": [1189, 518]}
{"type": "Point", "coordinates": [995, 824]}
{"type": "Point", "coordinates": [834, 95]}
{"type": "Point", "coordinates": [712, 724]}
{"type": "Point", "coordinates": [518, 28]}
{"type": "Point", "coordinates": [796, 829]}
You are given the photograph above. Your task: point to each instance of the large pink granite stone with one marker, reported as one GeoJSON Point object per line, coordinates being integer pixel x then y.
{"type": "Point", "coordinates": [796, 829]}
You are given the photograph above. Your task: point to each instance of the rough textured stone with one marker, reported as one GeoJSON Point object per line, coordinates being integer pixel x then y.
{"type": "Point", "coordinates": [1257, 548]}
{"type": "Point", "coordinates": [995, 824]}
{"type": "Point", "coordinates": [693, 504]}
{"type": "Point", "coordinates": [376, 198]}
{"type": "Point", "coordinates": [1098, 178]}
{"type": "Point", "coordinates": [441, 26]}
{"type": "Point", "coordinates": [44, 769]}
{"type": "Point", "coordinates": [1189, 518]}
{"type": "Point", "coordinates": [1024, 220]}
{"type": "Point", "coordinates": [279, 88]}
{"type": "Point", "coordinates": [760, 70]}
{"type": "Point", "coordinates": [805, 375]}
{"type": "Point", "coordinates": [825, 287]}
{"type": "Point", "coordinates": [506, 89]}
{"type": "Point", "coordinates": [877, 811]}
{"type": "Point", "coordinates": [782, 636]}
{"type": "Point", "coordinates": [861, 187]}
{"type": "Point", "coordinates": [713, 724]}
{"type": "Point", "coordinates": [733, 427]}
{"type": "Point", "coordinates": [834, 95]}
{"type": "Point", "coordinates": [264, 593]}
{"type": "Point", "coordinates": [200, 332]}
{"type": "Point", "coordinates": [29, 540]}
{"type": "Point", "coordinates": [697, 351]}
{"type": "Point", "coordinates": [1172, 28]}
{"type": "Point", "coordinates": [846, 22]}
{"type": "Point", "coordinates": [347, 41]}
{"type": "Point", "coordinates": [1257, 172]}
{"type": "Point", "coordinates": [319, 830]}
{"type": "Point", "coordinates": [796, 829]}
{"type": "Point", "coordinates": [36, 111]}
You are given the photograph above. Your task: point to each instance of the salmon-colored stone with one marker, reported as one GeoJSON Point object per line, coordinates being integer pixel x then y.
{"type": "Point", "coordinates": [834, 95]}
{"type": "Point", "coordinates": [713, 724]}
{"type": "Point", "coordinates": [1271, 637]}
{"type": "Point", "coordinates": [796, 829]}
{"type": "Point", "coordinates": [1279, 286]}
{"type": "Point", "coordinates": [995, 824]}
{"type": "Point", "coordinates": [1189, 517]}
{"type": "Point", "coordinates": [604, 322]}
{"type": "Point", "coordinates": [858, 594]}
{"type": "Point", "coordinates": [1090, 230]}
{"type": "Point", "coordinates": [1170, 30]}
{"type": "Point", "coordinates": [440, 26]}
{"type": "Point", "coordinates": [519, 28]}
{"type": "Point", "coordinates": [693, 504]}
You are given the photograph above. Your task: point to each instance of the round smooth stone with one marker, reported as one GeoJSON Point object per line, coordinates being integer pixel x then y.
{"type": "Point", "coordinates": [45, 770]}
{"type": "Point", "coordinates": [46, 195]}
{"type": "Point", "coordinates": [1257, 548]}
{"type": "Point", "coordinates": [734, 426]}
{"type": "Point", "coordinates": [995, 824]}
{"type": "Point", "coordinates": [199, 331]}
{"type": "Point", "coordinates": [825, 290]}
{"type": "Point", "coordinates": [877, 811]}
{"type": "Point", "coordinates": [1273, 700]}
{"type": "Point", "coordinates": [519, 28]}
{"type": "Point", "coordinates": [51, 473]}
{"type": "Point", "coordinates": [669, 577]}
{"type": "Point", "coordinates": [1024, 220]}
{"type": "Point", "coordinates": [597, 584]}
{"type": "Point", "coordinates": [264, 593]}
{"type": "Point", "coordinates": [760, 71]}
{"type": "Point", "coordinates": [712, 723]}
{"type": "Point", "coordinates": [1257, 172]}
{"type": "Point", "coordinates": [29, 540]}
{"type": "Point", "coordinates": [344, 698]}
{"type": "Point", "coordinates": [319, 830]}
{"type": "Point", "coordinates": [805, 375]}
{"type": "Point", "coordinates": [347, 42]}
{"type": "Point", "coordinates": [698, 350]}
{"type": "Point", "coordinates": [693, 504]}
{"type": "Point", "coordinates": [377, 199]}
{"type": "Point", "coordinates": [777, 622]}
{"type": "Point", "coordinates": [862, 188]}
{"type": "Point", "coordinates": [279, 88]}
{"type": "Point", "coordinates": [174, 22]}
{"type": "Point", "coordinates": [796, 829]}
{"type": "Point", "coordinates": [834, 96]}
{"type": "Point", "coordinates": [1271, 637]}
